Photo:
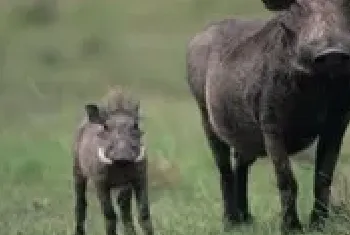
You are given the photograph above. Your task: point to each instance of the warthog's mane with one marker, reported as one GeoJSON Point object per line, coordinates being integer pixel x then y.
{"type": "Point", "coordinates": [277, 41]}
{"type": "Point", "coordinates": [264, 47]}
{"type": "Point", "coordinates": [120, 100]}
{"type": "Point", "coordinates": [264, 40]}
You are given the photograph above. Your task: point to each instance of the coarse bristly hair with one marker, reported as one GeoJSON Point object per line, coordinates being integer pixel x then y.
{"type": "Point", "coordinates": [119, 99]}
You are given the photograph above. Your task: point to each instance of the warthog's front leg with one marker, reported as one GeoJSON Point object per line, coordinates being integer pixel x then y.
{"type": "Point", "coordinates": [326, 159]}
{"type": "Point", "coordinates": [124, 201]}
{"type": "Point", "coordinates": [80, 183]}
{"type": "Point", "coordinates": [142, 201]}
{"type": "Point", "coordinates": [285, 180]}
{"type": "Point", "coordinates": [235, 203]}
{"type": "Point", "coordinates": [110, 216]}
{"type": "Point", "coordinates": [240, 174]}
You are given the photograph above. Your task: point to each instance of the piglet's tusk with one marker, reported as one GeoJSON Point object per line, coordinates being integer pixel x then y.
{"type": "Point", "coordinates": [102, 156]}
{"type": "Point", "coordinates": [141, 156]}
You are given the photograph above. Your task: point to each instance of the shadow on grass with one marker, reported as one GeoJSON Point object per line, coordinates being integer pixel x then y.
{"type": "Point", "coordinates": [38, 12]}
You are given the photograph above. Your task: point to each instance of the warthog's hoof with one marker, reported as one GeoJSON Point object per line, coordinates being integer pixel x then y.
{"type": "Point", "coordinates": [234, 221]}
{"type": "Point", "coordinates": [79, 230]}
{"type": "Point", "coordinates": [317, 221]}
{"type": "Point", "coordinates": [79, 233]}
{"type": "Point", "coordinates": [292, 226]}
{"type": "Point", "coordinates": [292, 229]}
{"type": "Point", "coordinates": [248, 218]}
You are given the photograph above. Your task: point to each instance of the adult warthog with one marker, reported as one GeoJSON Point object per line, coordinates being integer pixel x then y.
{"type": "Point", "coordinates": [108, 150]}
{"type": "Point", "coordinates": [272, 88]}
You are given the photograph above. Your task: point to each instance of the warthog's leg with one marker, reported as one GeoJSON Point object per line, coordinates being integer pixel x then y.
{"type": "Point", "coordinates": [124, 201]}
{"type": "Point", "coordinates": [80, 183]}
{"type": "Point", "coordinates": [328, 148]}
{"type": "Point", "coordinates": [285, 180]}
{"type": "Point", "coordinates": [104, 197]}
{"type": "Point", "coordinates": [142, 202]}
{"type": "Point", "coordinates": [241, 177]}
{"type": "Point", "coordinates": [221, 152]}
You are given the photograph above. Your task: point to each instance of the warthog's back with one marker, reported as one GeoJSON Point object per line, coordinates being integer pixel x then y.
{"type": "Point", "coordinates": [233, 31]}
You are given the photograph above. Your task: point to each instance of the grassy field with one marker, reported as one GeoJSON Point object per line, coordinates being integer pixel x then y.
{"type": "Point", "coordinates": [51, 64]}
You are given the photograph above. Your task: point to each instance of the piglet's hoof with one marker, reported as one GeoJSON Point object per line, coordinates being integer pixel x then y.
{"type": "Point", "coordinates": [248, 218]}
{"type": "Point", "coordinates": [317, 222]}
{"type": "Point", "coordinates": [292, 227]}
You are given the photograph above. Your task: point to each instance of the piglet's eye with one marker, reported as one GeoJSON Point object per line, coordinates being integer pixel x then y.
{"type": "Point", "coordinates": [135, 126]}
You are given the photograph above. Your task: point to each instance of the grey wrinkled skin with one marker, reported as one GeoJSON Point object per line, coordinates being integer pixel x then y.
{"type": "Point", "coordinates": [114, 127]}
{"type": "Point", "coordinates": [272, 88]}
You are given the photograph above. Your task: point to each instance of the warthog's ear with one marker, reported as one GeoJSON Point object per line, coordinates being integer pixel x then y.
{"type": "Point", "coordinates": [139, 111]}
{"type": "Point", "coordinates": [93, 113]}
{"type": "Point", "coordinates": [278, 5]}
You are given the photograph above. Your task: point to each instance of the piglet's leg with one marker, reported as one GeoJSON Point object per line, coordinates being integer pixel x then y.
{"type": "Point", "coordinates": [104, 197]}
{"type": "Point", "coordinates": [142, 201]}
{"type": "Point", "coordinates": [124, 201]}
{"type": "Point", "coordinates": [80, 183]}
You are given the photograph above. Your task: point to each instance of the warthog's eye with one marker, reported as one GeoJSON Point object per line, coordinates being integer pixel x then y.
{"type": "Point", "coordinates": [135, 147]}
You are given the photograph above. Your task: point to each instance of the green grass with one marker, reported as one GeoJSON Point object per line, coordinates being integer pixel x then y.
{"type": "Point", "coordinates": [48, 72]}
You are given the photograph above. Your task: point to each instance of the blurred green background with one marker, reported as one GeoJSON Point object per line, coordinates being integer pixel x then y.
{"type": "Point", "coordinates": [56, 55]}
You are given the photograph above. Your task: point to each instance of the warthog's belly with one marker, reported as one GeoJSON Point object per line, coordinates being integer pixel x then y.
{"type": "Point", "coordinates": [235, 119]}
{"type": "Point", "coordinates": [241, 131]}
{"type": "Point", "coordinates": [235, 125]}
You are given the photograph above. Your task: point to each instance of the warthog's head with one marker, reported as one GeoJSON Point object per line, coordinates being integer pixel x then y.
{"type": "Point", "coordinates": [318, 32]}
{"type": "Point", "coordinates": [119, 138]}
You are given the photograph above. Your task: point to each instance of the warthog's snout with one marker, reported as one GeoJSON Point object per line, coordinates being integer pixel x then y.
{"type": "Point", "coordinates": [332, 56]}
{"type": "Point", "coordinates": [101, 153]}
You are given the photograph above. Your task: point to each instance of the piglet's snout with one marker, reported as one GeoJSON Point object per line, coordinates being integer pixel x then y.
{"type": "Point", "coordinates": [121, 145]}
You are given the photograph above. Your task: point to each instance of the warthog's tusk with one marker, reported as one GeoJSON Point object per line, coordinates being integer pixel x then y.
{"type": "Point", "coordinates": [141, 156]}
{"type": "Point", "coordinates": [102, 156]}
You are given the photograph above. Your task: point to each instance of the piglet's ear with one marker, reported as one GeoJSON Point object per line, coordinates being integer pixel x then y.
{"type": "Point", "coordinates": [93, 113]}
{"type": "Point", "coordinates": [278, 5]}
